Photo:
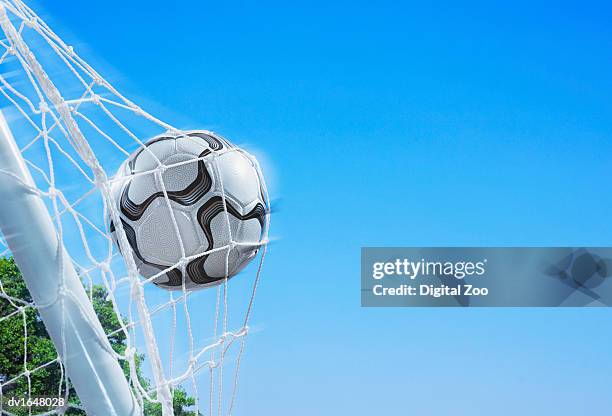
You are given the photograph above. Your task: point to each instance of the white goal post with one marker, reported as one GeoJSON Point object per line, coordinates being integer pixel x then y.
{"type": "Point", "coordinates": [56, 289]}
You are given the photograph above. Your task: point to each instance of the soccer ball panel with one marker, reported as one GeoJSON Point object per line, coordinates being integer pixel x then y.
{"type": "Point", "coordinates": [250, 231]}
{"type": "Point", "coordinates": [220, 231]}
{"type": "Point", "coordinates": [159, 242]}
{"type": "Point", "coordinates": [215, 264]}
{"type": "Point", "coordinates": [239, 177]}
{"type": "Point", "coordinates": [178, 176]}
{"type": "Point", "coordinates": [191, 145]}
{"type": "Point", "coordinates": [142, 187]}
{"type": "Point", "coordinates": [146, 159]}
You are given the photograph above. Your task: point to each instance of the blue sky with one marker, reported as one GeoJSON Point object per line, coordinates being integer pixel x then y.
{"type": "Point", "coordinates": [392, 124]}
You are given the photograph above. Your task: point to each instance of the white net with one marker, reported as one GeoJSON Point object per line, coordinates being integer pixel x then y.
{"type": "Point", "coordinates": [180, 350]}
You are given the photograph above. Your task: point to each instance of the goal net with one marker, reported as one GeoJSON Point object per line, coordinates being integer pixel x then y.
{"type": "Point", "coordinates": [175, 351]}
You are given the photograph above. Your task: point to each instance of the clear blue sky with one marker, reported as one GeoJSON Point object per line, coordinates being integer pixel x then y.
{"type": "Point", "coordinates": [467, 123]}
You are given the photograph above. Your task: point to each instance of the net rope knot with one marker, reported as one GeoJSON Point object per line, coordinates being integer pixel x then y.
{"type": "Point", "coordinates": [62, 291]}
{"type": "Point", "coordinates": [43, 107]}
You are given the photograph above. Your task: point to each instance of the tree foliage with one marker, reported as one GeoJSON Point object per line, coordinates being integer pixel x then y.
{"type": "Point", "coordinates": [27, 348]}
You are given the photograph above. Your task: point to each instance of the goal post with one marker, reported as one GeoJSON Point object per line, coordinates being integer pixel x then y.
{"type": "Point", "coordinates": [56, 289]}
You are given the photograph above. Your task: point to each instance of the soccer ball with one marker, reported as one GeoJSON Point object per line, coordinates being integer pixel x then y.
{"type": "Point", "coordinates": [215, 200]}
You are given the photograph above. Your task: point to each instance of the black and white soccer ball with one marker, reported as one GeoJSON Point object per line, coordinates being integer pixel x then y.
{"type": "Point", "coordinates": [216, 194]}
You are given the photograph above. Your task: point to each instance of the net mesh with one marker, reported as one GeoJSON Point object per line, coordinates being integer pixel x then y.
{"type": "Point", "coordinates": [74, 130]}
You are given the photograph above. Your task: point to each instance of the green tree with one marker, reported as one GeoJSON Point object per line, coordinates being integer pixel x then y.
{"type": "Point", "coordinates": [26, 346]}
